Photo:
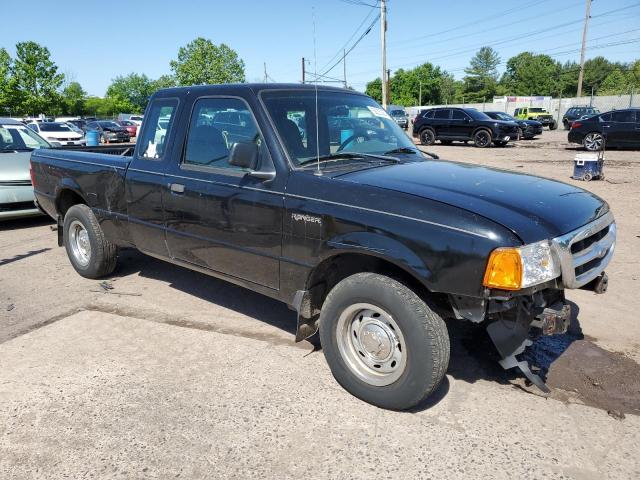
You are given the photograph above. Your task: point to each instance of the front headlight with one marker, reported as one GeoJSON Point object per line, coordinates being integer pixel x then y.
{"type": "Point", "coordinates": [514, 268]}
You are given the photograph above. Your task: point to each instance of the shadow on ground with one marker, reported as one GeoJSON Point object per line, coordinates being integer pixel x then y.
{"type": "Point", "coordinates": [576, 369]}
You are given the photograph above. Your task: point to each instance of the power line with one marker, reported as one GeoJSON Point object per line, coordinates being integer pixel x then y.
{"type": "Point", "coordinates": [352, 35]}
{"type": "Point", "coordinates": [460, 52]}
{"type": "Point", "coordinates": [364, 34]}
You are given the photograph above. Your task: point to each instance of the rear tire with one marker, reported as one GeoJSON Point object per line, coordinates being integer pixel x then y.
{"type": "Point", "coordinates": [593, 141]}
{"type": "Point", "coordinates": [427, 137]}
{"type": "Point", "coordinates": [382, 342]}
{"type": "Point", "coordinates": [553, 126]}
{"type": "Point", "coordinates": [482, 139]}
{"type": "Point", "coordinates": [90, 253]}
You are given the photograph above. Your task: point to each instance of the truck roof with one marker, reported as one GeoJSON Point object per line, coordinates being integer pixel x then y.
{"type": "Point", "coordinates": [255, 87]}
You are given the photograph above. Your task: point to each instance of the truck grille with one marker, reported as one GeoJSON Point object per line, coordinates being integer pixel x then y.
{"type": "Point", "coordinates": [586, 252]}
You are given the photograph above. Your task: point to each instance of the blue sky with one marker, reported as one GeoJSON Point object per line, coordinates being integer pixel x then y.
{"type": "Point", "coordinates": [96, 41]}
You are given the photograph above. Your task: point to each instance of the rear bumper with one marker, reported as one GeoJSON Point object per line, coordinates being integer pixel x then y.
{"type": "Point", "coordinates": [575, 137]}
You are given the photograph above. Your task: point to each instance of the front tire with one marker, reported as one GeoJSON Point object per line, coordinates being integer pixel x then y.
{"type": "Point", "coordinates": [427, 137]}
{"type": "Point", "coordinates": [553, 126]}
{"type": "Point", "coordinates": [90, 253]}
{"type": "Point", "coordinates": [382, 342]}
{"type": "Point", "coordinates": [482, 139]}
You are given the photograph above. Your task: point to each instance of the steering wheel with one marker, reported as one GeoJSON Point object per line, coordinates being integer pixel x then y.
{"type": "Point", "coordinates": [351, 139]}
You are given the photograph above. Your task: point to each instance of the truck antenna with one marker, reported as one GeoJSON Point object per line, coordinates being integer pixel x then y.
{"type": "Point", "coordinates": [315, 83]}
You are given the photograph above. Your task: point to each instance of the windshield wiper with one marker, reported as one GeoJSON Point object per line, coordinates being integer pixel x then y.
{"type": "Point", "coordinates": [347, 156]}
{"type": "Point", "coordinates": [401, 150]}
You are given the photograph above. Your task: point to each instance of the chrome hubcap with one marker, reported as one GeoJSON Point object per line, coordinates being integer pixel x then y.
{"type": "Point", "coordinates": [593, 141]}
{"type": "Point", "coordinates": [80, 243]}
{"type": "Point", "coordinates": [371, 344]}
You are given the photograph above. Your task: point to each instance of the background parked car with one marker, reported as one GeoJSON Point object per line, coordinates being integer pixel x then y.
{"type": "Point", "coordinates": [58, 131]}
{"type": "Point", "coordinates": [80, 123]}
{"type": "Point", "coordinates": [16, 192]}
{"type": "Point", "coordinates": [619, 128]}
{"type": "Point", "coordinates": [528, 128]}
{"type": "Point", "coordinates": [129, 126]}
{"type": "Point", "coordinates": [109, 131]}
{"type": "Point", "coordinates": [576, 113]}
{"type": "Point", "coordinates": [400, 116]}
{"type": "Point", "coordinates": [536, 113]}
{"type": "Point", "coordinates": [463, 124]}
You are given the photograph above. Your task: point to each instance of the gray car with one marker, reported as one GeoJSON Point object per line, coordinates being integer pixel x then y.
{"type": "Point", "coordinates": [16, 191]}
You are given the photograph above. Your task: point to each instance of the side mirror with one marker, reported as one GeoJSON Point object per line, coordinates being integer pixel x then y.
{"type": "Point", "coordinates": [244, 155]}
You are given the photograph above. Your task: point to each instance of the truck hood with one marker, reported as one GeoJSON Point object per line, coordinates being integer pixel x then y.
{"type": "Point", "coordinates": [533, 208]}
{"type": "Point", "coordinates": [14, 166]}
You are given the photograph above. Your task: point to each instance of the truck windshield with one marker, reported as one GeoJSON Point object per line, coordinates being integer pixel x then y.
{"type": "Point", "coordinates": [347, 123]}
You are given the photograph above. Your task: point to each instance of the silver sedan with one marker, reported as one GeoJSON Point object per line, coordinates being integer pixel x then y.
{"type": "Point", "coordinates": [16, 191]}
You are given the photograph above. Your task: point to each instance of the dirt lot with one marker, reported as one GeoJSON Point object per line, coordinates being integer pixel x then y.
{"type": "Point", "coordinates": [171, 374]}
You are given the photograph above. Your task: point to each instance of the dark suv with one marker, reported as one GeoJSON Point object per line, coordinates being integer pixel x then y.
{"type": "Point", "coordinates": [619, 128]}
{"type": "Point", "coordinates": [462, 124]}
{"type": "Point", "coordinates": [576, 113]}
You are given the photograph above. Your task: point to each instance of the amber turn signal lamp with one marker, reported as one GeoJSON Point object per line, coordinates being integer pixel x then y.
{"type": "Point", "coordinates": [504, 269]}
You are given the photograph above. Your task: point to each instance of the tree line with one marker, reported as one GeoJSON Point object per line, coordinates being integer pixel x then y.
{"type": "Point", "coordinates": [525, 74]}
{"type": "Point", "coordinates": [31, 83]}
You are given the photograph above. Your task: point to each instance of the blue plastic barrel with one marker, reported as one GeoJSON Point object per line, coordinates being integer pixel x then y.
{"type": "Point", "coordinates": [93, 138]}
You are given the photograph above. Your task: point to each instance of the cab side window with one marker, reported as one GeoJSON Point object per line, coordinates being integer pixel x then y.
{"type": "Point", "coordinates": [442, 114]}
{"type": "Point", "coordinates": [157, 127]}
{"type": "Point", "coordinates": [216, 125]}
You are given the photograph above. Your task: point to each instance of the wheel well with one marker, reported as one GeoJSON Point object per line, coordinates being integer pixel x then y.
{"type": "Point", "coordinates": [331, 271]}
{"type": "Point", "coordinates": [426, 127]}
{"type": "Point", "coordinates": [67, 199]}
{"type": "Point", "coordinates": [482, 128]}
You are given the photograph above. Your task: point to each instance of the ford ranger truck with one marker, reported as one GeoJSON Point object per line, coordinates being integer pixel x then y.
{"type": "Point", "coordinates": [370, 241]}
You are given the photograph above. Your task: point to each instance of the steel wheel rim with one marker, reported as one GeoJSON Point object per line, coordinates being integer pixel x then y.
{"type": "Point", "coordinates": [483, 138]}
{"type": "Point", "coordinates": [593, 141]}
{"type": "Point", "coordinates": [371, 344]}
{"type": "Point", "coordinates": [80, 243]}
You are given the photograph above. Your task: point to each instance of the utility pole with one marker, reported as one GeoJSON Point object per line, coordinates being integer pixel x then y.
{"type": "Point", "coordinates": [383, 39]}
{"type": "Point", "coordinates": [584, 44]}
{"type": "Point", "coordinates": [265, 72]}
{"type": "Point", "coordinates": [344, 67]}
{"type": "Point", "coordinates": [420, 97]}
{"type": "Point", "coordinates": [303, 79]}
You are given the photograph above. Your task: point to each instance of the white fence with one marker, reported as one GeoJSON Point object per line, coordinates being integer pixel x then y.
{"type": "Point", "coordinates": [557, 107]}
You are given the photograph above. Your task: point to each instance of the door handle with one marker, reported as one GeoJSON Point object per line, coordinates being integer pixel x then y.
{"type": "Point", "coordinates": [606, 126]}
{"type": "Point", "coordinates": [176, 188]}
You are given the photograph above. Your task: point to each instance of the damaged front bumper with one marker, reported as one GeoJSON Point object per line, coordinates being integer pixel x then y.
{"type": "Point", "coordinates": [511, 334]}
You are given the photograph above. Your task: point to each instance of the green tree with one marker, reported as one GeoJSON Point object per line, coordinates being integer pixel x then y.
{"type": "Point", "coordinates": [568, 82]}
{"type": "Point", "coordinates": [203, 62]}
{"type": "Point", "coordinates": [165, 81]}
{"type": "Point", "coordinates": [374, 89]}
{"type": "Point", "coordinates": [616, 83]}
{"type": "Point", "coordinates": [36, 78]}
{"type": "Point", "coordinates": [6, 80]}
{"type": "Point", "coordinates": [596, 70]}
{"type": "Point", "coordinates": [531, 74]}
{"type": "Point", "coordinates": [481, 80]}
{"type": "Point", "coordinates": [132, 90]}
{"type": "Point", "coordinates": [73, 98]}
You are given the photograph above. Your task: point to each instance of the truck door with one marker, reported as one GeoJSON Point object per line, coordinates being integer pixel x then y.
{"type": "Point", "coordinates": [442, 122]}
{"type": "Point", "coordinates": [145, 177]}
{"type": "Point", "coordinates": [217, 216]}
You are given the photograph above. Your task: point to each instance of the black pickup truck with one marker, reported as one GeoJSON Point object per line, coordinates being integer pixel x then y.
{"type": "Point", "coordinates": [368, 239]}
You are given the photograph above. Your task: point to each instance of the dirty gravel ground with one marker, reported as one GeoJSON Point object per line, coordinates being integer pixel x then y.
{"type": "Point", "coordinates": [175, 374]}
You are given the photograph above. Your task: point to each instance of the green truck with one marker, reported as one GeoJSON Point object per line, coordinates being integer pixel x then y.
{"type": "Point", "coordinates": [538, 114]}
